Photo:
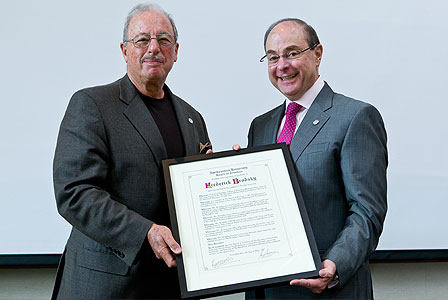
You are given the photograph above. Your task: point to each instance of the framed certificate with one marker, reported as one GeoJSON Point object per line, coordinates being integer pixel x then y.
{"type": "Point", "coordinates": [240, 219]}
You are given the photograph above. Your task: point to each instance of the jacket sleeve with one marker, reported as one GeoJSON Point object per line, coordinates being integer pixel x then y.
{"type": "Point", "coordinates": [363, 162]}
{"type": "Point", "coordinates": [250, 135]}
{"type": "Point", "coordinates": [80, 170]}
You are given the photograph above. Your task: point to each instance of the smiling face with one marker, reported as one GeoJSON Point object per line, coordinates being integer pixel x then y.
{"type": "Point", "coordinates": [292, 77]}
{"type": "Point", "coordinates": [149, 66]}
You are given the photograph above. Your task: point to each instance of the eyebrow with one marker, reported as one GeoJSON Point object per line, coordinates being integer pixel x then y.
{"type": "Point", "coordinates": [148, 34]}
{"type": "Point", "coordinates": [289, 48]}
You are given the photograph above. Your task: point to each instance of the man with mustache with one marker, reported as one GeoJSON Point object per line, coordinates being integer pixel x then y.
{"type": "Point", "coordinates": [338, 146]}
{"type": "Point", "coordinates": [108, 177]}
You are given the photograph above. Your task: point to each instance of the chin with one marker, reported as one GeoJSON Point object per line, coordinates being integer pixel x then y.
{"type": "Point", "coordinates": [289, 93]}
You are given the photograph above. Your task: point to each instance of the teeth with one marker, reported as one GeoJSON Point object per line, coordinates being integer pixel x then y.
{"type": "Point", "coordinates": [288, 77]}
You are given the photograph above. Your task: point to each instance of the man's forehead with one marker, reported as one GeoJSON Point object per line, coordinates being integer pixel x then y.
{"type": "Point", "coordinates": [287, 29]}
{"type": "Point", "coordinates": [150, 20]}
{"type": "Point", "coordinates": [289, 33]}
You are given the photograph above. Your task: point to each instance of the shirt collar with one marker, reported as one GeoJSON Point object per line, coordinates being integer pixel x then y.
{"type": "Point", "coordinates": [308, 98]}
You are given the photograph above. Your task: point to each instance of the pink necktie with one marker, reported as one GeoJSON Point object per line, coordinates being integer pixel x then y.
{"type": "Point", "coordinates": [290, 124]}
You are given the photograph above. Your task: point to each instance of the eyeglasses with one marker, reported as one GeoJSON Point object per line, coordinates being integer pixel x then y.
{"type": "Point", "coordinates": [164, 40]}
{"type": "Point", "coordinates": [273, 58]}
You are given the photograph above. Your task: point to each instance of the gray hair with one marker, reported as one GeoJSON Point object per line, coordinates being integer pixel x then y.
{"type": "Point", "coordinates": [311, 35]}
{"type": "Point", "coordinates": [147, 7]}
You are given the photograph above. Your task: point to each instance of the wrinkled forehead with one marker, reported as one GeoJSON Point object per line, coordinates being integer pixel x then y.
{"type": "Point", "coordinates": [286, 34]}
{"type": "Point", "coordinates": [149, 22]}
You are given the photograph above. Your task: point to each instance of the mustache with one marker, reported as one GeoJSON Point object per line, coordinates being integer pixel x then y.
{"type": "Point", "coordinates": [158, 58]}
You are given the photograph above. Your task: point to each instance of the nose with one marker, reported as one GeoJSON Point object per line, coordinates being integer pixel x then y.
{"type": "Point", "coordinates": [282, 64]}
{"type": "Point", "coordinates": [154, 46]}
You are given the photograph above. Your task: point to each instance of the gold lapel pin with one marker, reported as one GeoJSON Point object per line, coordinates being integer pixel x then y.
{"type": "Point", "coordinates": [204, 147]}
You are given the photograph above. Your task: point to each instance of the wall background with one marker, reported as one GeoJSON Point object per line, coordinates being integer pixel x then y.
{"type": "Point", "coordinates": [389, 53]}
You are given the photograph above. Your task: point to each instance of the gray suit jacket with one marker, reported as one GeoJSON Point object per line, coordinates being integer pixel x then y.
{"type": "Point", "coordinates": [340, 156]}
{"type": "Point", "coordinates": [109, 186]}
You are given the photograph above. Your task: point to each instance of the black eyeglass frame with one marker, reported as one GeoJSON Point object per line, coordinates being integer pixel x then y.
{"type": "Point", "coordinates": [284, 55]}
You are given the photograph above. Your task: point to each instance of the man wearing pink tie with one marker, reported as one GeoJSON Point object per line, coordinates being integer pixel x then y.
{"type": "Point", "coordinates": [338, 146]}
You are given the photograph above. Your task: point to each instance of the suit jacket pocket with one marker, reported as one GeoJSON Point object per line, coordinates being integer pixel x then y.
{"type": "Point", "coordinates": [318, 147]}
{"type": "Point", "coordinates": [103, 260]}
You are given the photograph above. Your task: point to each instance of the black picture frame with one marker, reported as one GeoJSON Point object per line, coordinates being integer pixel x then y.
{"type": "Point", "coordinates": [173, 176]}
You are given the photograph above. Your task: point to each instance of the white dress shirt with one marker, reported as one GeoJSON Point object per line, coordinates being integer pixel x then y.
{"type": "Point", "coordinates": [306, 100]}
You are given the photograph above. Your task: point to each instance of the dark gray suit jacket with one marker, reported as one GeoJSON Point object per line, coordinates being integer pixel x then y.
{"type": "Point", "coordinates": [340, 156]}
{"type": "Point", "coordinates": [109, 186]}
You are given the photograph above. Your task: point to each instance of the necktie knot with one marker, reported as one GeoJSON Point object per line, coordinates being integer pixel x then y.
{"type": "Point", "coordinates": [293, 108]}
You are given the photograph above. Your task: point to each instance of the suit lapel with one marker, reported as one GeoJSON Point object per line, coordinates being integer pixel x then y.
{"type": "Point", "coordinates": [270, 134]}
{"type": "Point", "coordinates": [186, 125]}
{"type": "Point", "coordinates": [314, 120]}
{"type": "Point", "coordinates": [142, 120]}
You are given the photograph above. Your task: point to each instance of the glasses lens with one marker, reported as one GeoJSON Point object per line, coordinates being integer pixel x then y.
{"type": "Point", "coordinates": [273, 59]}
{"type": "Point", "coordinates": [142, 42]}
{"type": "Point", "coordinates": [165, 40]}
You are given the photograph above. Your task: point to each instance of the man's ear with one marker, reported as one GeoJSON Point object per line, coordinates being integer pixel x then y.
{"type": "Point", "coordinates": [124, 51]}
{"type": "Point", "coordinates": [176, 49]}
{"type": "Point", "coordinates": [319, 50]}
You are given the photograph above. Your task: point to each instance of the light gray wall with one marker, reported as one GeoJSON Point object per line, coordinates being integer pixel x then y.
{"type": "Point", "coordinates": [398, 281]}
{"type": "Point", "coordinates": [389, 53]}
